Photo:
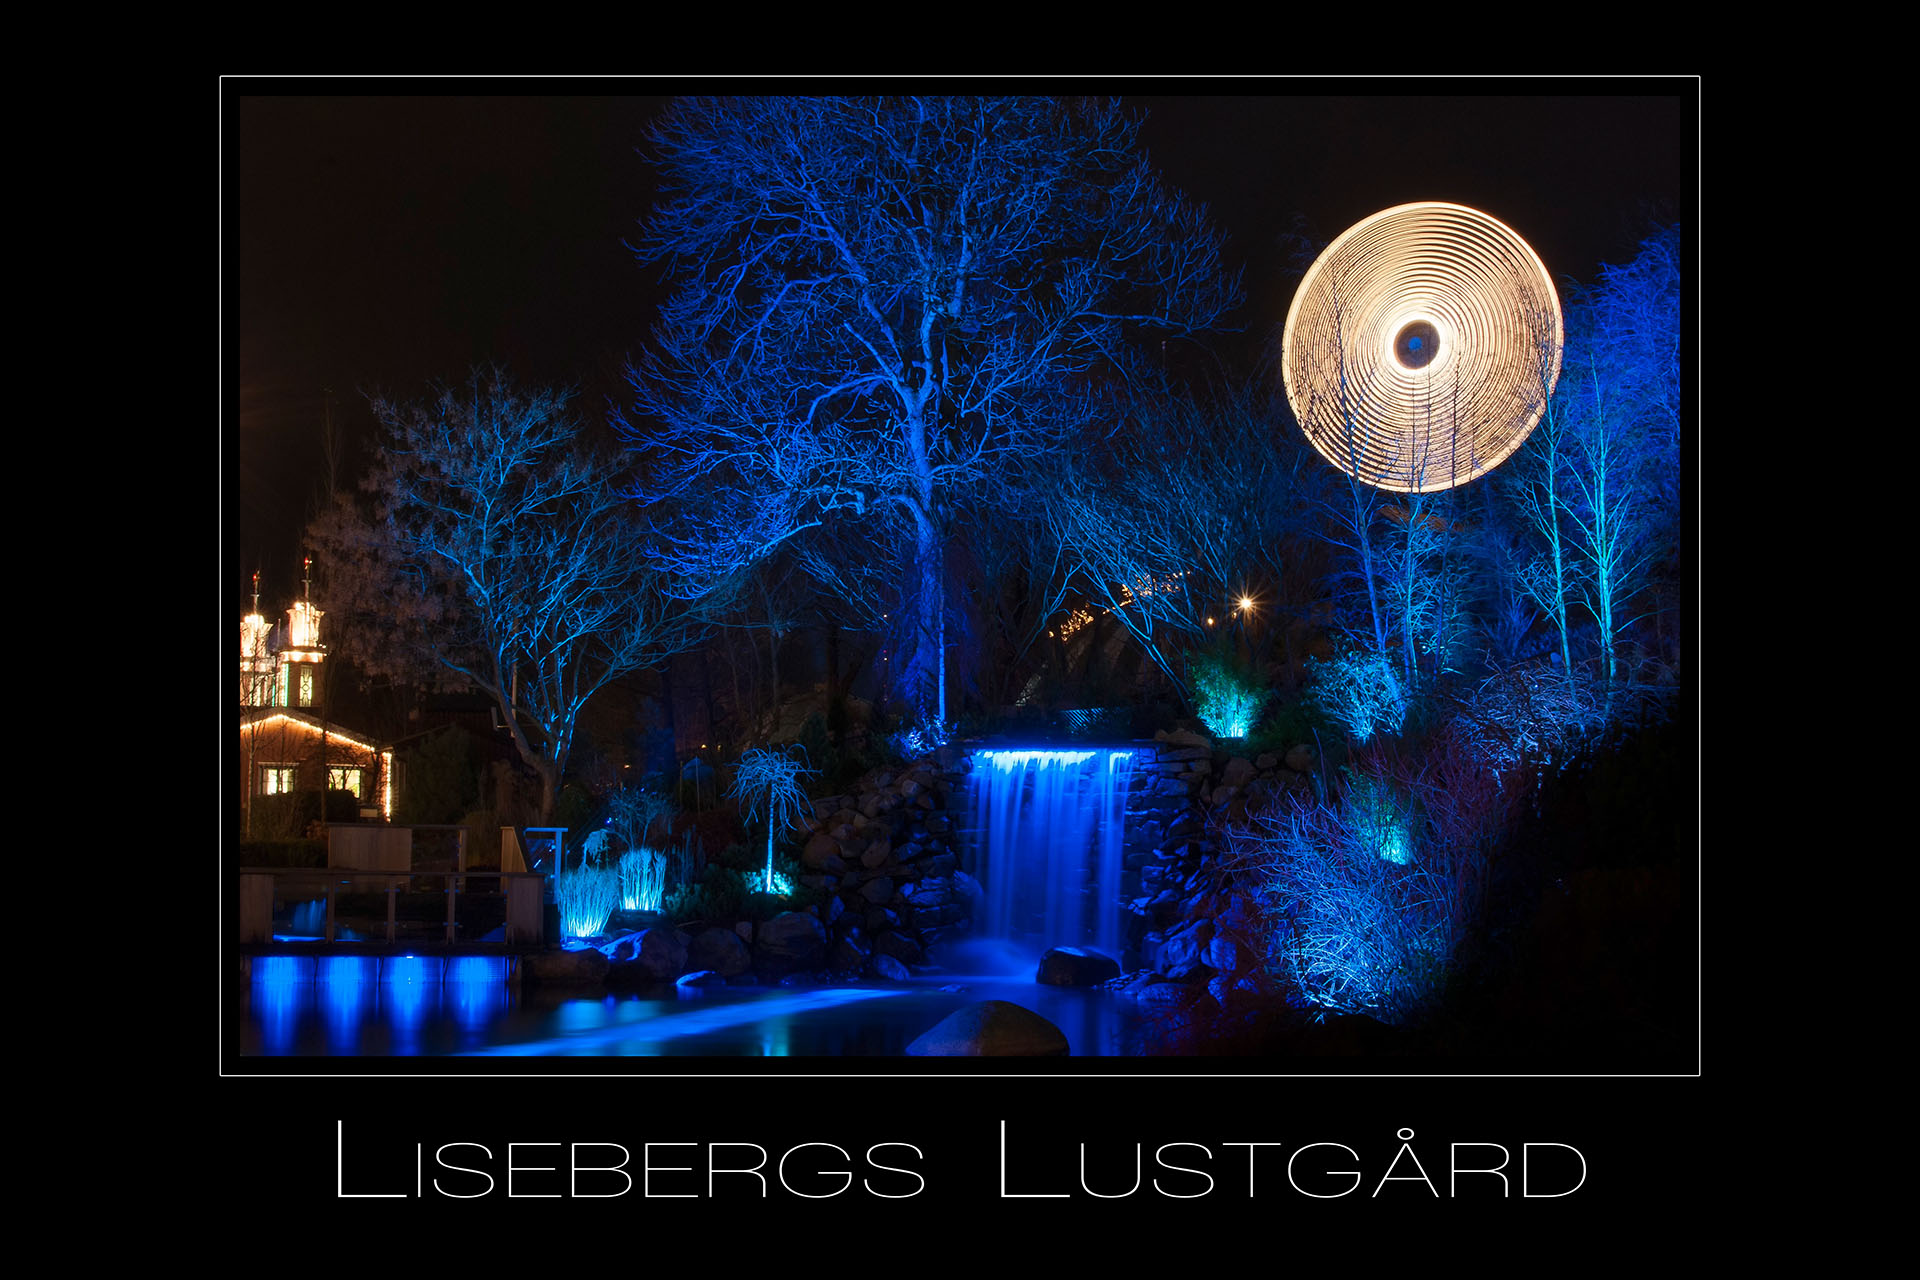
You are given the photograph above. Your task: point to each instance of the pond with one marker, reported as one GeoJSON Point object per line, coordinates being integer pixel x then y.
{"type": "Point", "coordinates": [350, 1007]}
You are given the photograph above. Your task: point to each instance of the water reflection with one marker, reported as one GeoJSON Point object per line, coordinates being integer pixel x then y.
{"type": "Point", "coordinates": [357, 1006]}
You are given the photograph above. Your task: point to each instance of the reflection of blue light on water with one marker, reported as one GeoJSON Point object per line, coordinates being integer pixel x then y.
{"type": "Point", "coordinates": [477, 969]}
{"type": "Point", "coordinates": [278, 994]}
{"type": "Point", "coordinates": [348, 968]}
{"type": "Point", "coordinates": [404, 998]}
{"type": "Point", "coordinates": [476, 991]}
{"type": "Point", "coordinates": [414, 969]}
{"type": "Point", "coordinates": [281, 970]}
{"type": "Point", "coordinates": [341, 999]}
{"type": "Point", "coordinates": [634, 1028]}
{"type": "Point", "coordinates": [373, 1004]}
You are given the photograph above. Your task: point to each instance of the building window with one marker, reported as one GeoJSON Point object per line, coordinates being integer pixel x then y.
{"type": "Point", "coordinates": [339, 779]}
{"type": "Point", "coordinates": [276, 779]}
{"type": "Point", "coordinates": [306, 686]}
{"type": "Point", "coordinates": [280, 691]}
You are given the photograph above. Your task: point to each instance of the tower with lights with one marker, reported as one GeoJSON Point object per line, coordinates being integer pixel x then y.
{"type": "Point", "coordinates": [287, 745]}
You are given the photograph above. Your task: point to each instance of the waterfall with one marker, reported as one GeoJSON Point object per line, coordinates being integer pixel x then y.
{"type": "Point", "coordinates": [1049, 828]}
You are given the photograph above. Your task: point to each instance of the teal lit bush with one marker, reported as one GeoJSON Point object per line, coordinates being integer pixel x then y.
{"type": "Point", "coordinates": [727, 891]}
{"type": "Point", "coordinates": [587, 897]}
{"type": "Point", "coordinates": [1373, 899]}
{"type": "Point", "coordinates": [643, 879]}
{"type": "Point", "coordinates": [1227, 702]}
{"type": "Point", "coordinates": [1358, 690]}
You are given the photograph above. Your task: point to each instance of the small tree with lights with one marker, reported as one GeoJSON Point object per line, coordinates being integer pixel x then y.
{"type": "Point", "coordinates": [769, 782]}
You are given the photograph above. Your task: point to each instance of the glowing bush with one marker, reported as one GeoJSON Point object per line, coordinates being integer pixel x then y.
{"type": "Point", "coordinates": [643, 879]}
{"type": "Point", "coordinates": [599, 844]}
{"type": "Point", "coordinates": [1360, 692]}
{"type": "Point", "coordinates": [632, 815]}
{"type": "Point", "coordinates": [587, 897]}
{"type": "Point", "coordinates": [1227, 704]}
{"type": "Point", "coordinates": [1373, 898]}
{"type": "Point", "coordinates": [1538, 716]}
{"type": "Point", "coordinates": [919, 740]}
{"type": "Point", "coordinates": [1379, 819]}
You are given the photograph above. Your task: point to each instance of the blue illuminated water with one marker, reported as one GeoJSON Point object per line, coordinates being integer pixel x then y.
{"type": "Point", "coordinates": [1048, 841]}
{"type": "Point", "coordinates": [348, 1011]}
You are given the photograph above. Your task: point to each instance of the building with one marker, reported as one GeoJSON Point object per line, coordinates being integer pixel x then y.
{"type": "Point", "coordinates": [287, 746]}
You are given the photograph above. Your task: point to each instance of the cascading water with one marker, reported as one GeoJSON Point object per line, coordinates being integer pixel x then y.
{"type": "Point", "coordinates": [1048, 843]}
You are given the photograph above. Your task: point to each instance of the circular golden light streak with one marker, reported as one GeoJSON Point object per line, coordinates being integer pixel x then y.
{"type": "Point", "coordinates": [1422, 346]}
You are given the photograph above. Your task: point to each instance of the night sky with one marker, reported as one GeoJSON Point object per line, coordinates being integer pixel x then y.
{"type": "Point", "coordinates": [381, 243]}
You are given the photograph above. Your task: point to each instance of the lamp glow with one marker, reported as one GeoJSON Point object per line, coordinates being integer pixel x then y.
{"type": "Point", "coordinates": [1421, 347]}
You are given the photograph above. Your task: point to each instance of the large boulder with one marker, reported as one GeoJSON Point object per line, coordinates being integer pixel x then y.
{"type": "Point", "coordinates": [992, 1029]}
{"type": "Point", "coordinates": [1184, 952]}
{"type": "Point", "coordinates": [720, 950]}
{"type": "Point", "coordinates": [580, 967]}
{"type": "Point", "coordinates": [656, 955]}
{"type": "Point", "coordinates": [791, 940]}
{"type": "Point", "coordinates": [1076, 967]}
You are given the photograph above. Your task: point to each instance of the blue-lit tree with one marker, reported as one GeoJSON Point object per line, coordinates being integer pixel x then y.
{"type": "Point", "coordinates": [1189, 508]}
{"type": "Point", "coordinates": [886, 305]}
{"type": "Point", "coordinates": [769, 782]}
{"type": "Point", "coordinates": [1623, 436]}
{"type": "Point", "coordinates": [498, 545]}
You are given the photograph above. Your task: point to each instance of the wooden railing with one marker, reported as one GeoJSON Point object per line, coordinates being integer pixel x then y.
{"type": "Point", "coordinates": [261, 886]}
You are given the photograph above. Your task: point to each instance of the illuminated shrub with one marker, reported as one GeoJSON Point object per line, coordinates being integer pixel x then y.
{"type": "Point", "coordinates": [917, 741]}
{"type": "Point", "coordinates": [1227, 703]}
{"type": "Point", "coordinates": [643, 879]}
{"type": "Point", "coordinates": [1358, 690]}
{"type": "Point", "coordinates": [1373, 898]}
{"type": "Point", "coordinates": [587, 897]}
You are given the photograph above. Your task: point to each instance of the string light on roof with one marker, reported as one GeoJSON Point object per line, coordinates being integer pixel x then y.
{"type": "Point", "coordinates": [1421, 347]}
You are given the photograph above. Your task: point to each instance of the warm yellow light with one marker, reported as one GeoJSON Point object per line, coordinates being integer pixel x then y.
{"type": "Point", "coordinates": [303, 625]}
{"type": "Point", "coordinates": [1421, 347]}
{"type": "Point", "coordinates": [1246, 604]}
{"type": "Point", "coordinates": [333, 734]}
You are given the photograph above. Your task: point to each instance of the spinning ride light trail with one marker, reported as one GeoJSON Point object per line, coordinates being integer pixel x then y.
{"type": "Point", "coordinates": [1422, 346]}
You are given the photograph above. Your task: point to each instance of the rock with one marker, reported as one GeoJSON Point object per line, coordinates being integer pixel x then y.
{"type": "Point", "coordinates": [900, 947]}
{"type": "Point", "coordinates": [1183, 953]}
{"type": "Point", "coordinates": [1265, 761]}
{"type": "Point", "coordinates": [1226, 955]}
{"type": "Point", "coordinates": [1182, 738]}
{"type": "Point", "coordinates": [721, 951]}
{"type": "Point", "coordinates": [577, 968]}
{"type": "Point", "coordinates": [876, 854]}
{"type": "Point", "coordinates": [1076, 967]}
{"type": "Point", "coordinates": [933, 891]}
{"type": "Point", "coordinates": [820, 848]}
{"type": "Point", "coordinates": [1174, 994]}
{"type": "Point", "coordinates": [991, 1029]}
{"type": "Point", "coordinates": [791, 940]}
{"type": "Point", "coordinates": [1300, 759]}
{"type": "Point", "coordinates": [1238, 771]}
{"type": "Point", "coordinates": [701, 978]}
{"type": "Point", "coordinates": [877, 891]}
{"type": "Point", "coordinates": [849, 955]}
{"type": "Point", "coordinates": [659, 955]}
{"type": "Point", "coordinates": [885, 966]}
